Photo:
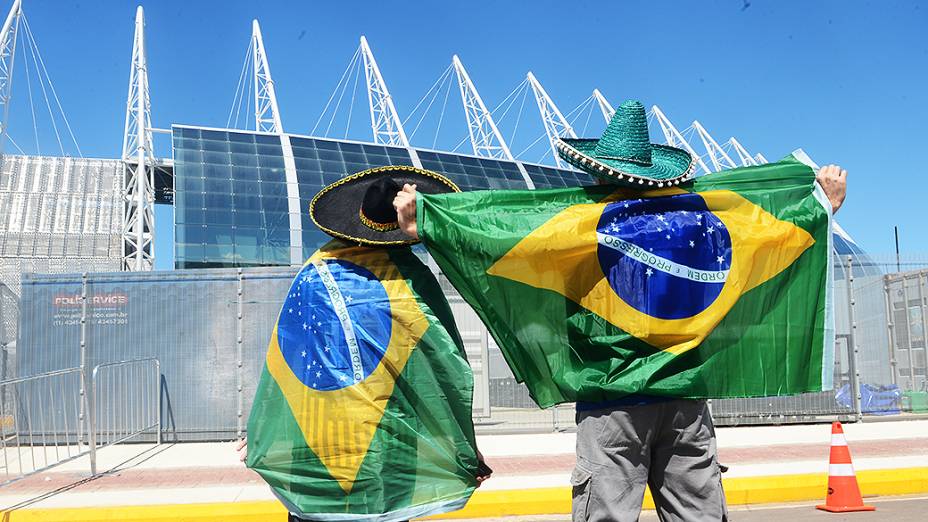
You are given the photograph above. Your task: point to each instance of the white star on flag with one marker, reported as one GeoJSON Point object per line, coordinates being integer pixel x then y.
{"type": "Point", "coordinates": [710, 230]}
{"type": "Point", "coordinates": [692, 244]}
{"type": "Point", "coordinates": [649, 272]}
{"type": "Point", "coordinates": [667, 236]}
{"type": "Point", "coordinates": [318, 374]}
{"type": "Point", "coordinates": [720, 259]}
{"type": "Point", "coordinates": [326, 348]}
{"type": "Point", "coordinates": [343, 378]}
{"type": "Point", "coordinates": [349, 299]}
{"type": "Point", "coordinates": [305, 326]}
{"type": "Point", "coordinates": [290, 310]}
{"type": "Point", "coordinates": [660, 217]}
{"type": "Point", "coordinates": [304, 353]}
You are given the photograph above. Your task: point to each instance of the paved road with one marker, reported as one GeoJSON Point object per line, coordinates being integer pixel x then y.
{"type": "Point", "coordinates": [897, 509]}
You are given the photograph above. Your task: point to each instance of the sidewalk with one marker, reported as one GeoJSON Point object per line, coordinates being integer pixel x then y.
{"type": "Point", "coordinates": [205, 481]}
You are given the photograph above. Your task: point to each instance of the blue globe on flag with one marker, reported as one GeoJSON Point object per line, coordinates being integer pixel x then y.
{"type": "Point", "coordinates": [667, 257]}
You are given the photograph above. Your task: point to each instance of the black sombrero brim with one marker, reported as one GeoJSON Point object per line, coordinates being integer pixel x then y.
{"type": "Point", "coordinates": [669, 165]}
{"type": "Point", "coordinates": [336, 208]}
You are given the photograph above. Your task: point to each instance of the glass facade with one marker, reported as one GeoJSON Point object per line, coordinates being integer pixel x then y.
{"type": "Point", "coordinates": [231, 204]}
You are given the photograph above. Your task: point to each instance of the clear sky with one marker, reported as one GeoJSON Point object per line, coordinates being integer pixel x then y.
{"type": "Point", "coordinates": [846, 81]}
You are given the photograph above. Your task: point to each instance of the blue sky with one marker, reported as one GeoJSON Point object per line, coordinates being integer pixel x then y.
{"type": "Point", "coordinates": [844, 80]}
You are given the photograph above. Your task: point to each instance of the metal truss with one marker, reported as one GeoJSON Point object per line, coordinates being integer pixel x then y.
{"type": "Point", "coordinates": [267, 116]}
{"type": "Point", "coordinates": [385, 122]}
{"type": "Point", "coordinates": [717, 155]}
{"type": "Point", "coordinates": [484, 136]}
{"type": "Point", "coordinates": [604, 105]}
{"type": "Point", "coordinates": [743, 155]}
{"type": "Point", "coordinates": [675, 139]}
{"type": "Point", "coordinates": [556, 126]}
{"type": "Point", "coordinates": [137, 154]}
{"type": "Point", "coordinates": [7, 54]}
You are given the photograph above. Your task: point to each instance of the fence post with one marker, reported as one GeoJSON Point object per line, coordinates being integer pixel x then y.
{"type": "Point", "coordinates": [82, 416]}
{"type": "Point", "coordinates": [240, 328]}
{"type": "Point", "coordinates": [158, 396]}
{"type": "Point", "coordinates": [852, 339]}
{"type": "Point", "coordinates": [890, 326]}
{"type": "Point", "coordinates": [922, 310]}
{"type": "Point", "coordinates": [908, 331]}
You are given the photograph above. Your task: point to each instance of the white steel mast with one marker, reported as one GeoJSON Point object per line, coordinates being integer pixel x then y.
{"type": "Point", "coordinates": [717, 155]}
{"type": "Point", "coordinates": [484, 136]}
{"type": "Point", "coordinates": [675, 139]}
{"type": "Point", "coordinates": [267, 116]}
{"type": "Point", "coordinates": [604, 105]}
{"type": "Point", "coordinates": [743, 154]}
{"type": "Point", "coordinates": [385, 122]}
{"type": "Point", "coordinates": [7, 54]}
{"type": "Point", "coordinates": [556, 126]}
{"type": "Point", "coordinates": [137, 150]}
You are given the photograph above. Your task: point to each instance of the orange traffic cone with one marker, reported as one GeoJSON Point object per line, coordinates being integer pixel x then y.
{"type": "Point", "coordinates": [843, 491]}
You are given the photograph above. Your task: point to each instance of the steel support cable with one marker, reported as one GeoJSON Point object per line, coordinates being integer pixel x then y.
{"type": "Point", "coordinates": [325, 110]}
{"type": "Point", "coordinates": [247, 99]}
{"type": "Point", "coordinates": [356, 63]}
{"type": "Point", "coordinates": [444, 78]}
{"type": "Point", "coordinates": [526, 149]}
{"type": "Point", "coordinates": [51, 114]}
{"type": "Point", "coordinates": [15, 145]}
{"type": "Point", "coordinates": [35, 125]}
{"type": "Point", "coordinates": [51, 86]}
{"type": "Point", "coordinates": [437, 82]}
{"type": "Point", "coordinates": [519, 116]}
{"type": "Point", "coordinates": [239, 88]}
{"type": "Point", "coordinates": [441, 117]}
{"type": "Point", "coordinates": [354, 94]}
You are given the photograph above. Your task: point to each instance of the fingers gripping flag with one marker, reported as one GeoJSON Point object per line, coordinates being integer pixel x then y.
{"type": "Point", "coordinates": [364, 406]}
{"type": "Point", "coordinates": [719, 290]}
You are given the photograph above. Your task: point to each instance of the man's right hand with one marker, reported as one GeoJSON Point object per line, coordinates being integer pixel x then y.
{"type": "Point", "coordinates": [833, 180]}
{"type": "Point", "coordinates": [405, 205]}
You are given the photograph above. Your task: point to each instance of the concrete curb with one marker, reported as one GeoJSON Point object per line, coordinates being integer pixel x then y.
{"type": "Point", "coordinates": [538, 501]}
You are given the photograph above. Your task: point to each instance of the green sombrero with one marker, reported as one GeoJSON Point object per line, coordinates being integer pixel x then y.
{"type": "Point", "coordinates": [624, 154]}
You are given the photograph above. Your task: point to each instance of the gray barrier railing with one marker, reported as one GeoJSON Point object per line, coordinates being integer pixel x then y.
{"type": "Point", "coordinates": [125, 402]}
{"type": "Point", "coordinates": [40, 422]}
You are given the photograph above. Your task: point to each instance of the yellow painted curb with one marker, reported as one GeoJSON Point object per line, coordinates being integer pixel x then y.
{"type": "Point", "coordinates": [488, 503]}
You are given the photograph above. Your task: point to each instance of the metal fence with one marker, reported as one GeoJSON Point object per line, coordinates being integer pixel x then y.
{"type": "Point", "coordinates": [209, 330]}
{"type": "Point", "coordinates": [125, 403]}
{"type": "Point", "coordinates": [41, 422]}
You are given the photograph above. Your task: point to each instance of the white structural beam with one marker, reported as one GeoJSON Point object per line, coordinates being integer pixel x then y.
{"type": "Point", "coordinates": [484, 136]}
{"type": "Point", "coordinates": [137, 155]}
{"type": "Point", "coordinates": [385, 122]}
{"type": "Point", "coordinates": [717, 155]}
{"type": "Point", "coordinates": [760, 159]}
{"type": "Point", "coordinates": [7, 54]}
{"type": "Point", "coordinates": [556, 126]}
{"type": "Point", "coordinates": [267, 115]}
{"type": "Point", "coordinates": [743, 155]}
{"type": "Point", "coordinates": [604, 106]}
{"type": "Point", "coordinates": [675, 139]}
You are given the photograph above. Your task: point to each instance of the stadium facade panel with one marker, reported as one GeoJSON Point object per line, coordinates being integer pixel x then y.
{"type": "Point", "coordinates": [234, 208]}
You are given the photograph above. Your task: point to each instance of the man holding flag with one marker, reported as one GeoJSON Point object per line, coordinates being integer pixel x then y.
{"type": "Point", "coordinates": [649, 293]}
{"type": "Point", "coordinates": [363, 410]}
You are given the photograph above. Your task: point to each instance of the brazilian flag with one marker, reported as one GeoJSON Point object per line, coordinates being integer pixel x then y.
{"type": "Point", "coordinates": [363, 410]}
{"type": "Point", "coordinates": [719, 288]}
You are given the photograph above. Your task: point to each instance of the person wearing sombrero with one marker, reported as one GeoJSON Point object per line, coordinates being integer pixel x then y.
{"type": "Point", "coordinates": [625, 444]}
{"type": "Point", "coordinates": [365, 341]}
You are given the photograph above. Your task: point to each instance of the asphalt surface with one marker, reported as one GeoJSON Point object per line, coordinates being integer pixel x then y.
{"type": "Point", "coordinates": [897, 509]}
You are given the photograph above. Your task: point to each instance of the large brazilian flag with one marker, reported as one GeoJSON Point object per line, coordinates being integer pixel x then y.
{"type": "Point", "coordinates": [363, 410]}
{"type": "Point", "coordinates": [720, 288]}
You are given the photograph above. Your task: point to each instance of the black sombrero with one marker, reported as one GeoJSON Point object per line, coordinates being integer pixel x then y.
{"type": "Point", "coordinates": [359, 207]}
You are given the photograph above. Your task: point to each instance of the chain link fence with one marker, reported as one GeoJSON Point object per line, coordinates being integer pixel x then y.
{"type": "Point", "coordinates": [209, 329]}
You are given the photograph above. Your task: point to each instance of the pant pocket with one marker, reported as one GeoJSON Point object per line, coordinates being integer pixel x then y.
{"type": "Point", "coordinates": [582, 482]}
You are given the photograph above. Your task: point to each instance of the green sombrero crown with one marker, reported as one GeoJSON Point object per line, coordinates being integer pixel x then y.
{"type": "Point", "coordinates": [624, 154]}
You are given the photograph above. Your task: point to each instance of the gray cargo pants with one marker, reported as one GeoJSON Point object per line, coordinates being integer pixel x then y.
{"type": "Point", "coordinates": [669, 445]}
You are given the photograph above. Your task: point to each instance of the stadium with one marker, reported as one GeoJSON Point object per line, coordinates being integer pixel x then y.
{"type": "Point", "coordinates": [78, 289]}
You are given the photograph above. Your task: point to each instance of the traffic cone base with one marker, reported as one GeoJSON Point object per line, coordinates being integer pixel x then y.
{"type": "Point", "coordinates": [843, 491]}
